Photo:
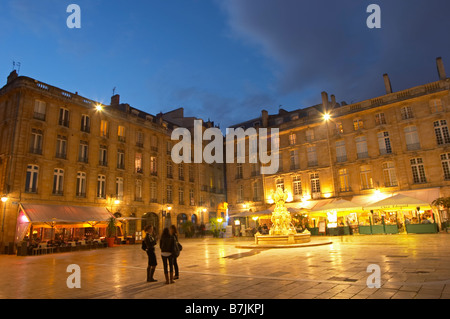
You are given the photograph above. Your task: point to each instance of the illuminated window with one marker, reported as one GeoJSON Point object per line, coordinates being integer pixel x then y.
{"type": "Point", "coordinates": [138, 162]}
{"type": "Point", "coordinates": [297, 185]}
{"type": "Point", "coordinates": [104, 128]}
{"type": "Point", "coordinates": [358, 124]}
{"type": "Point", "coordinates": [315, 183]}
{"type": "Point", "coordinates": [292, 139]}
{"type": "Point", "coordinates": [361, 147]}
{"type": "Point", "coordinates": [279, 183]}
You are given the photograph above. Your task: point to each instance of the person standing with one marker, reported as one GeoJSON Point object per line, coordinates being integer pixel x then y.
{"type": "Point", "coordinates": [174, 233]}
{"type": "Point", "coordinates": [166, 243]}
{"type": "Point", "coordinates": [150, 242]}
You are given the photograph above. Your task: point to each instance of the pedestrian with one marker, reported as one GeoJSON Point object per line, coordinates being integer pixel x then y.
{"type": "Point", "coordinates": [174, 233]}
{"type": "Point", "coordinates": [167, 243]}
{"type": "Point", "coordinates": [202, 229]}
{"type": "Point", "coordinates": [149, 246]}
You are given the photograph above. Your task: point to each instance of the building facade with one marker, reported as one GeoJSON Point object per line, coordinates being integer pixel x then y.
{"type": "Point", "coordinates": [60, 148]}
{"type": "Point", "coordinates": [393, 143]}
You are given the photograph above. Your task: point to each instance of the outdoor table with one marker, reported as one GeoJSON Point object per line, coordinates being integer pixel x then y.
{"type": "Point", "coordinates": [421, 228]}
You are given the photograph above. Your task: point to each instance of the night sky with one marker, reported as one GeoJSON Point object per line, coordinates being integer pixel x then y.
{"type": "Point", "coordinates": [225, 59]}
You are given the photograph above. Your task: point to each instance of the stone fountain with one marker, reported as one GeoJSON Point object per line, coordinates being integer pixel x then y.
{"type": "Point", "coordinates": [282, 232]}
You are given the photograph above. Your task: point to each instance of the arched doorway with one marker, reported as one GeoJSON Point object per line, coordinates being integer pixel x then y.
{"type": "Point", "coordinates": [150, 219]}
{"type": "Point", "coordinates": [194, 219]}
{"type": "Point", "coordinates": [181, 219]}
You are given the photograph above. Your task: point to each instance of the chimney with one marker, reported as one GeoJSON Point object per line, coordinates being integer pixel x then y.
{"type": "Point", "coordinates": [440, 68]}
{"type": "Point", "coordinates": [324, 101]}
{"type": "Point", "coordinates": [12, 76]}
{"type": "Point", "coordinates": [387, 83]}
{"type": "Point", "coordinates": [115, 100]}
{"type": "Point", "coordinates": [333, 101]}
{"type": "Point", "coordinates": [265, 118]}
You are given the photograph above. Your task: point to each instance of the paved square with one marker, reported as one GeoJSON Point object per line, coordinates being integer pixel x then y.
{"type": "Point", "coordinates": [412, 266]}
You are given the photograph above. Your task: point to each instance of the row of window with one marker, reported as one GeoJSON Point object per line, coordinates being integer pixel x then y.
{"type": "Point", "coordinates": [81, 185]}
{"type": "Point", "coordinates": [366, 179]}
{"type": "Point", "coordinates": [384, 143]}
{"type": "Point", "coordinates": [63, 120]}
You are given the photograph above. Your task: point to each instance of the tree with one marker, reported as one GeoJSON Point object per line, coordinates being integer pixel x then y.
{"type": "Point", "coordinates": [444, 202]}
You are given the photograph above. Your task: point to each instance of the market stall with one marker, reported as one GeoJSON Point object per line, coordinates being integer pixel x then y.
{"type": "Point", "coordinates": [407, 214]}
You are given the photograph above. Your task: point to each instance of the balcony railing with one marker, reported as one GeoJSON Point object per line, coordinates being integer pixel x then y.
{"type": "Point", "coordinates": [181, 178]}
{"type": "Point", "coordinates": [312, 163]}
{"type": "Point", "coordinates": [81, 194]}
{"type": "Point", "coordinates": [153, 200]}
{"type": "Point", "coordinates": [191, 180]}
{"type": "Point", "coordinates": [32, 190]}
{"type": "Point", "coordinates": [204, 188]}
{"type": "Point", "coordinates": [139, 144]}
{"type": "Point", "coordinates": [139, 170]}
{"type": "Point", "coordinates": [341, 159]}
{"type": "Point", "coordinates": [121, 166]}
{"type": "Point", "coordinates": [413, 146]}
{"type": "Point", "coordinates": [61, 155]}
{"type": "Point", "coordinates": [138, 199]}
{"type": "Point", "coordinates": [239, 176]}
{"type": "Point", "coordinates": [58, 192]}
{"type": "Point", "coordinates": [181, 202]}
{"type": "Point", "coordinates": [294, 167]}
{"type": "Point", "coordinates": [85, 128]}
{"type": "Point", "coordinates": [345, 189]}
{"type": "Point", "coordinates": [154, 173]}
{"type": "Point", "coordinates": [385, 151]}
{"type": "Point", "coordinates": [121, 139]}
{"type": "Point", "coordinates": [255, 173]}
{"type": "Point", "coordinates": [63, 122]}
{"type": "Point", "coordinates": [154, 148]}
{"type": "Point", "coordinates": [103, 163]}
{"type": "Point", "coordinates": [36, 150]}
{"type": "Point", "coordinates": [363, 155]}
{"type": "Point", "coordinates": [83, 159]}
{"type": "Point", "coordinates": [39, 116]}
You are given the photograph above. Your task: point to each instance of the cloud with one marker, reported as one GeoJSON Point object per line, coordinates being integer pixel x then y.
{"type": "Point", "coordinates": [224, 110]}
{"type": "Point", "coordinates": [326, 45]}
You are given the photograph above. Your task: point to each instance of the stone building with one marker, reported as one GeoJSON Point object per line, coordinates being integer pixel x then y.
{"type": "Point", "coordinates": [59, 148]}
{"type": "Point", "coordinates": [398, 142]}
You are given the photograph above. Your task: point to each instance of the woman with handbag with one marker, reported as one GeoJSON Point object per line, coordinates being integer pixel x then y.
{"type": "Point", "coordinates": [178, 247]}
{"type": "Point", "coordinates": [167, 243]}
{"type": "Point", "coordinates": [148, 244]}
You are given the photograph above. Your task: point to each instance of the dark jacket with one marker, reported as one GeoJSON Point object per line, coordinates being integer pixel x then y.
{"type": "Point", "coordinates": [167, 244]}
{"type": "Point", "coordinates": [150, 242]}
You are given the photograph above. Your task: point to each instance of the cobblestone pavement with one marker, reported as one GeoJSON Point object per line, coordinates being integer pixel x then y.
{"type": "Point", "coordinates": [412, 266]}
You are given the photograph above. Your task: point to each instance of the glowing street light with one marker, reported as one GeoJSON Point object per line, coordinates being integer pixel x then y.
{"type": "Point", "coordinates": [4, 199]}
{"type": "Point", "coordinates": [116, 202]}
{"type": "Point", "coordinates": [326, 117]}
{"type": "Point", "coordinates": [99, 107]}
{"type": "Point", "coordinates": [220, 220]}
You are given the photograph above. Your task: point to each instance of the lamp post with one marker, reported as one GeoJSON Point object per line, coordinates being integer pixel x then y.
{"type": "Point", "coordinates": [327, 118]}
{"type": "Point", "coordinates": [4, 200]}
{"type": "Point", "coordinates": [164, 213]}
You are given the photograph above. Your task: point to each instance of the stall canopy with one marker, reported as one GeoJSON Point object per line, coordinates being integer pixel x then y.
{"type": "Point", "coordinates": [397, 202]}
{"type": "Point", "coordinates": [39, 213]}
{"type": "Point", "coordinates": [339, 205]}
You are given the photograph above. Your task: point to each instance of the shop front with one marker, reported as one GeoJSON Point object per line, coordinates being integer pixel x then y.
{"type": "Point", "coordinates": [403, 214]}
{"type": "Point", "coordinates": [60, 227]}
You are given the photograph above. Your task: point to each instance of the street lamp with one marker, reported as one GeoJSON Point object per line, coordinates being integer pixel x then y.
{"type": "Point", "coordinates": [327, 118]}
{"type": "Point", "coordinates": [99, 107]}
{"type": "Point", "coordinates": [4, 200]}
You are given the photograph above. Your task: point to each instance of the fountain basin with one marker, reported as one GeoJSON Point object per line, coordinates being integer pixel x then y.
{"type": "Point", "coordinates": [282, 239]}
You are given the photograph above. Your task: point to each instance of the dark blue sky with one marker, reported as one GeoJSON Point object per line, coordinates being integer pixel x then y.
{"type": "Point", "coordinates": [225, 59]}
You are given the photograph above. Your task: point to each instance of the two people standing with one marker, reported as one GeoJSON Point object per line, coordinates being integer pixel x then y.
{"type": "Point", "coordinates": [170, 250]}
